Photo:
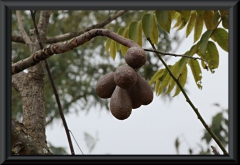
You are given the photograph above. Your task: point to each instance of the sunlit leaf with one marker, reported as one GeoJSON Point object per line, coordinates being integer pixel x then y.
{"type": "Point", "coordinates": [175, 72]}
{"type": "Point", "coordinates": [182, 80]}
{"type": "Point", "coordinates": [191, 24]}
{"type": "Point", "coordinates": [204, 41]}
{"type": "Point", "coordinates": [164, 19]}
{"type": "Point", "coordinates": [208, 19]}
{"type": "Point", "coordinates": [107, 46]}
{"type": "Point", "coordinates": [196, 71]}
{"type": "Point", "coordinates": [164, 82]}
{"type": "Point", "coordinates": [113, 49]}
{"type": "Point", "coordinates": [124, 48]}
{"type": "Point", "coordinates": [157, 86]}
{"type": "Point", "coordinates": [198, 28]}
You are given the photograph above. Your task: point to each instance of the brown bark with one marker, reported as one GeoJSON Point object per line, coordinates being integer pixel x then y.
{"type": "Point", "coordinates": [23, 143]}
{"type": "Point", "coordinates": [60, 48]}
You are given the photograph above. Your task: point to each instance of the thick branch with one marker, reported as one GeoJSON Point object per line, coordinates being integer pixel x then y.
{"type": "Point", "coordinates": [21, 29]}
{"type": "Point", "coordinates": [24, 143]}
{"type": "Point", "coordinates": [60, 48]}
{"type": "Point", "coordinates": [67, 36]}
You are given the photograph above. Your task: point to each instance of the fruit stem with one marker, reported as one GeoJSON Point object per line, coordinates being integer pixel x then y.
{"type": "Point", "coordinates": [190, 102]}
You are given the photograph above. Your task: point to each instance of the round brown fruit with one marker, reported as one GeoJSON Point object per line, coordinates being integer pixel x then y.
{"type": "Point", "coordinates": [135, 57]}
{"type": "Point", "coordinates": [120, 104]}
{"type": "Point", "coordinates": [105, 86]}
{"type": "Point", "coordinates": [125, 76]}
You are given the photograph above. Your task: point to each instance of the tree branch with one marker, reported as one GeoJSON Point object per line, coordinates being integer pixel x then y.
{"type": "Point", "coordinates": [190, 102]}
{"type": "Point", "coordinates": [21, 29]}
{"type": "Point", "coordinates": [23, 143]}
{"type": "Point", "coordinates": [60, 48]}
{"type": "Point", "coordinates": [43, 23]}
{"type": "Point", "coordinates": [67, 36]}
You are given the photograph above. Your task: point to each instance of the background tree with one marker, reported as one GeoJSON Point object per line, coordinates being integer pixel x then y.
{"type": "Point", "coordinates": [77, 70]}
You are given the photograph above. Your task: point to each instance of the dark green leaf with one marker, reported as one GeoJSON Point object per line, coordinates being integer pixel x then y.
{"type": "Point", "coordinates": [208, 19]}
{"type": "Point", "coordinates": [204, 41]}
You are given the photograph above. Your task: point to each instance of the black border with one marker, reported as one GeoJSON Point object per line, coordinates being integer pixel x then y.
{"type": "Point", "coordinates": [5, 79]}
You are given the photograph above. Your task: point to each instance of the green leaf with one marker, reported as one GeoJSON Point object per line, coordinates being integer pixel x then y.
{"type": "Point", "coordinates": [121, 31]}
{"type": "Point", "coordinates": [140, 33]}
{"type": "Point", "coordinates": [185, 14]}
{"type": "Point", "coordinates": [164, 19]}
{"type": "Point", "coordinates": [175, 72]}
{"type": "Point", "coordinates": [124, 48]}
{"type": "Point", "coordinates": [193, 49]}
{"type": "Point", "coordinates": [208, 19]}
{"type": "Point", "coordinates": [198, 28]}
{"type": "Point", "coordinates": [173, 14]}
{"type": "Point", "coordinates": [157, 85]}
{"type": "Point", "coordinates": [164, 81]}
{"type": "Point", "coordinates": [196, 71]}
{"type": "Point", "coordinates": [182, 80]}
{"type": "Point", "coordinates": [113, 49]}
{"type": "Point", "coordinates": [133, 31]}
{"type": "Point", "coordinates": [225, 21]}
{"type": "Point", "coordinates": [149, 27]}
{"type": "Point", "coordinates": [212, 55]}
{"type": "Point", "coordinates": [204, 41]}
{"type": "Point", "coordinates": [221, 37]}
{"type": "Point", "coordinates": [107, 46]}
{"type": "Point", "coordinates": [160, 73]}
{"type": "Point", "coordinates": [179, 21]}
{"type": "Point", "coordinates": [155, 30]}
{"type": "Point", "coordinates": [216, 17]}
{"type": "Point", "coordinates": [191, 24]}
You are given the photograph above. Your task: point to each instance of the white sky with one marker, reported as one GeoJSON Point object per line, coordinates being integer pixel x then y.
{"type": "Point", "coordinates": [151, 129]}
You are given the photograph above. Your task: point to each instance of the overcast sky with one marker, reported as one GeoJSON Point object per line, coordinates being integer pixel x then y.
{"type": "Point", "coordinates": [151, 129]}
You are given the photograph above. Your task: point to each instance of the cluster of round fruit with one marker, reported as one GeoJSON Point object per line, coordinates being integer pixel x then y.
{"type": "Point", "coordinates": [126, 87]}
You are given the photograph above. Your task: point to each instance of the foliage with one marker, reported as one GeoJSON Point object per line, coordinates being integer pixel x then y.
{"type": "Point", "coordinates": [204, 47]}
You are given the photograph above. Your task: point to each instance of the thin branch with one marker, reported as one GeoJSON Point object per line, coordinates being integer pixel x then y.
{"type": "Point", "coordinates": [60, 48]}
{"type": "Point", "coordinates": [175, 55]}
{"type": "Point", "coordinates": [67, 36]}
{"type": "Point", "coordinates": [21, 29]}
{"type": "Point", "coordinates": [43, 23]}
{"type": "Point", "coordinates": [190, 102]}
{"type": "Point", "coordinates": [50, 76]}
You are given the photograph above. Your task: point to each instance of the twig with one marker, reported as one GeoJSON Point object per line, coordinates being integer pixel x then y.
{"type": "Point", "coordinates": [67, 36]}
{"type": "Point", "coordinates": [76, 141]}
{"type": "Point", "coordinates": [53, 86]}
{"type": "Point", "coordinates": [190, 102]}
{"type": "Point", "coordinates": [175, 55]}
{"type": "Point", "coordinates": [21, 28]}
{"type": "Point", "coordinates": [214, 150]}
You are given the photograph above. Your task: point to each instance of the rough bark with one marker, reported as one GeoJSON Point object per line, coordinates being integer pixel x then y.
{"type": "Point", "coordinates": [31, 85]}
{"type": "Point", "coordinates": [23, 143]}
